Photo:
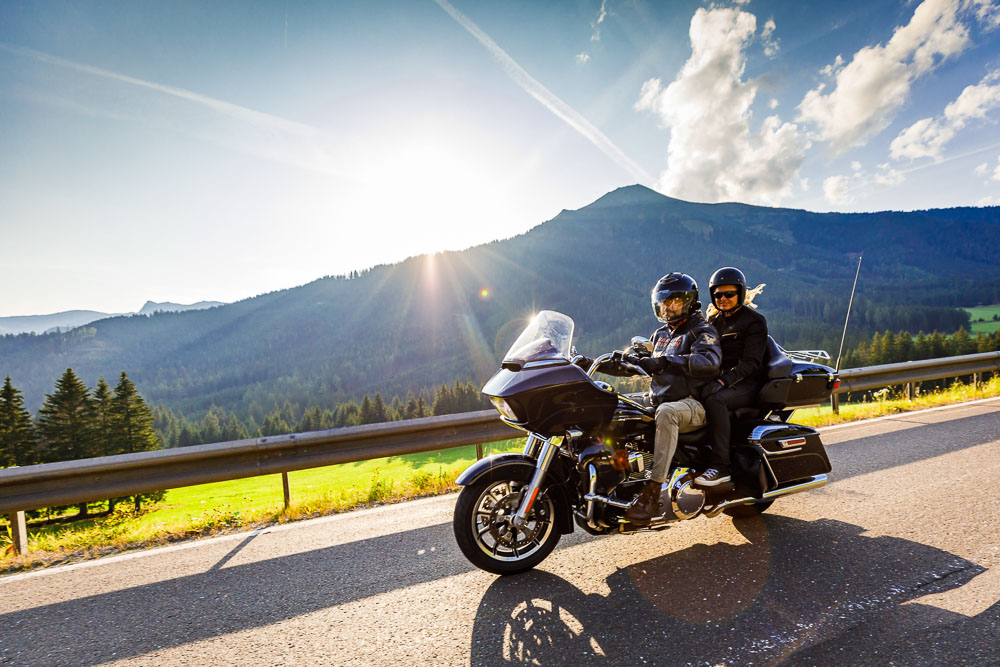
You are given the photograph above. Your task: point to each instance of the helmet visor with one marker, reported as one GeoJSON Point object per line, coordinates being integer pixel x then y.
{"type": "Point", "coordinates": [664, 303]}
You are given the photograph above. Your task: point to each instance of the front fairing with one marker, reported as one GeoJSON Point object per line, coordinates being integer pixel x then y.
{"type": "Point", "coordinates": [552, 399]}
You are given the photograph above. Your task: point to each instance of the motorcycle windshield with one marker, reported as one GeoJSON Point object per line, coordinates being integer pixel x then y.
{"type": "Point", "coordinates": [548, 336]}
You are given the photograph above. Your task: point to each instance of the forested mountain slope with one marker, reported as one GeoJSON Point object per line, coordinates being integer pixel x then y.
{"type": "Point", "coordinates": [427, 320]}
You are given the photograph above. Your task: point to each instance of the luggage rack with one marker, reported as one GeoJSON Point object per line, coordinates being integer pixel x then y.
{"type": "Point", "coordinates": [809, 356]}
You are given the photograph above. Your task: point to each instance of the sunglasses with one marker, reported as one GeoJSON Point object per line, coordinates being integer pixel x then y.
{"type": "Point", "coordinates": [725, 295]}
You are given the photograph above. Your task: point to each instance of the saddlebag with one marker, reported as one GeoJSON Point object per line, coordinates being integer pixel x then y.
{"type": "Point", "coordinates": [791, 451]}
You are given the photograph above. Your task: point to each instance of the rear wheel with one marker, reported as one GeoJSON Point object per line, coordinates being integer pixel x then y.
{"type": "Point", "coordinates": [746, 511]}
{"type": "Point", "coordinates": [485, 530]}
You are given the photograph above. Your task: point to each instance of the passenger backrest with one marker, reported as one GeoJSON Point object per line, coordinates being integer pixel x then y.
{"type": "Point", "coordinates": [778, 363]}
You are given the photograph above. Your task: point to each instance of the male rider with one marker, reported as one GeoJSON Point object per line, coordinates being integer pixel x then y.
{"type": "Point", "coordinates": [686, 356]}
{"type": "Point", "coordinates": [743, 332]}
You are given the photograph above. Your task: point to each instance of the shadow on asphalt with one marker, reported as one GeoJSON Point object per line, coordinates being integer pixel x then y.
{"type": "Point", "coordinates": [800, 592]}
{"type": "Point", "coordinates": [719, 602]}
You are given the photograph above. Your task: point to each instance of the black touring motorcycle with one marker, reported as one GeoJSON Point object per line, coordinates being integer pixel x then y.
{"type": "Point", "coordinates": [589, 451]}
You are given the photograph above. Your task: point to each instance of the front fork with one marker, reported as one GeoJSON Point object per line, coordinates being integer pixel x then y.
{"type": "Point", "coordinates": [544, 459]}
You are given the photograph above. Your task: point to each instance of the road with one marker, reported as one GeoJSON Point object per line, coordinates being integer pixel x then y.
{"type": "Point", "coordinates": [896, 561]}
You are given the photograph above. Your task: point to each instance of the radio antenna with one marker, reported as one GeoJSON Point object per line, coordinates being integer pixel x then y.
{"type": "Point", "coordinates": [847, 319]}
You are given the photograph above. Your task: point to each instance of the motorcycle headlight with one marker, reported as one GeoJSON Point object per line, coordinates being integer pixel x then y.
{"type": "Point", "coordinates": [504, 408]}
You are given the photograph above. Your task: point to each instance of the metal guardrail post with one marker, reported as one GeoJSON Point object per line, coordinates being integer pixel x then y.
{"type": "Point", "coordinates": [479, 450]}
{"type": "Point", "coordinates": [910, 390]}
{"type": "Point", "coordinates": [18, 532]}
{"type": "Point", "coordinates": [286, 491]}
{"type": "Point", "coordinates": [835, 403]}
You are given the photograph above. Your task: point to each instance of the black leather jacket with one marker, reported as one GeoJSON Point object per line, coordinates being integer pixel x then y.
{"type": "Point", "coordinates": [744, 343]}
{"type": "Point", "coordinates": [688, 358]}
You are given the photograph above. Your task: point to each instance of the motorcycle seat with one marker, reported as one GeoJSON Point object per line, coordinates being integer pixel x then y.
{"type": "Point", "coordinates": [692, 437]}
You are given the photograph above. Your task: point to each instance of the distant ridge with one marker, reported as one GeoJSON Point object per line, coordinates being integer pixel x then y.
{"type": "Point", "coordinates": [169, 307]}
{"type": "Point", "coordinates": [428, 320]}
{"type": "Point", "coordinates": [70, 319]}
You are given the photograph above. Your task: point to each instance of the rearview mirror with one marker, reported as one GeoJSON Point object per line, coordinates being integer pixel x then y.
{"type": "Point", "coordinates": [642, 343]}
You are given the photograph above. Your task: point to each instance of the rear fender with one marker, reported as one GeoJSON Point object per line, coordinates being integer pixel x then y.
{"type": "Point", "coordinates": [517, 466]}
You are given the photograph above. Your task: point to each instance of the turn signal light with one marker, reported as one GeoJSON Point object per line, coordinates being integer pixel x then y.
{"type": "Point", "coordinates": [619, 460]}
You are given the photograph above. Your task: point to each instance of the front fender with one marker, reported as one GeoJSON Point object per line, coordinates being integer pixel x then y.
{"type": "Point", "coordinates": [508, 462]}
{"type": "Point", "coordinates": [517, 466]}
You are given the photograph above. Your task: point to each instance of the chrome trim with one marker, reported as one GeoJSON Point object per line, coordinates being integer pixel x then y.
{"type": "Point", "coordinates": [676, 488]}
{"type": "Point", "coordinates": [792, 442]}
{"type": "Point", "coordinates": [591, 497]}
{"type": "Point", "coordinates": [785, 451]}
{"type": "Point", "coordinates": [597, 363]}
{"type": "Point", "coordinates": [814, 356]}
{"type": "Point", "coordinates": [531, 445]}
{"type": "Point", "coordinates": [545, 457]}
{"type": "Point", "coordinates": [806, 485]}
{"type": "Point", "coordinates": [513, 424]}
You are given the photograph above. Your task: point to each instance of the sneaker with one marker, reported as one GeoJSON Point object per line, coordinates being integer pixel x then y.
{"type": "Point", "coordinates": [712, 477]}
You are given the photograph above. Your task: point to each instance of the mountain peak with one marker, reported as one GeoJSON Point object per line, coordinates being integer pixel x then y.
{"type": "Point", "coordinates": [630, 195]}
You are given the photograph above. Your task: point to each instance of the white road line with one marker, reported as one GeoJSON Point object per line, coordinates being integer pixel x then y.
{"type": "Point", "coordinates": [898, 415]}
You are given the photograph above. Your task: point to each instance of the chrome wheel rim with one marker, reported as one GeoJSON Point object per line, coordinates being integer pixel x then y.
{"type": "Point", "coordinates": [493, 527]}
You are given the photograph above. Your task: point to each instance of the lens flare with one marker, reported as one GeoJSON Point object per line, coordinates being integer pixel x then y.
{"type": "Point", "coordinates": [484, 294]}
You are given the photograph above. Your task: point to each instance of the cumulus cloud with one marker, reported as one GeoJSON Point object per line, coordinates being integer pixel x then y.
{"type": "Point", "coordinates": [582, 58]}
{"type": "Point", "coordinates": [835, 190]}
{"type": "Point", "coordinates": [713, 155]}
{"type": "Point", "coordinates": [876, 82]}
{"type": "Point", "coordinates": [981, 169]}
{"type": "Point", "coordinates": [928, 136]}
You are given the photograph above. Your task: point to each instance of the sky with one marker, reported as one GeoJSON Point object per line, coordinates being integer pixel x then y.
{"type": "Point", "coordinates": [185, 151]}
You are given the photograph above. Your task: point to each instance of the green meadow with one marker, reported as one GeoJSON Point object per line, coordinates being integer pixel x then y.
{"type": "Point", "coordinates": [986, 314]}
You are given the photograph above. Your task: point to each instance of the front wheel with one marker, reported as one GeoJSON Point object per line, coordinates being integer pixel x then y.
{"type": "Point", "coordinates": [485, 531]}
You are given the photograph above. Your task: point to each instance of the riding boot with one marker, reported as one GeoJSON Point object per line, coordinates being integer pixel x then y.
{"type": "Point", "coordinates": [646, 506]}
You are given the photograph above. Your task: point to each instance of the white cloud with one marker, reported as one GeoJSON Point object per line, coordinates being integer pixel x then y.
{"type": "Point", "coordinates": [877, 80]}
{"type": "Point", "coordinates": [988, 200]}
{"type": "Point", "coordinates": [888, 176]}
{"type": "Point", "coordinates": [927, 137]}
{"type": "Point", "coordinates": [771, 43]}
{"type": "Point", "coordinates": [856, 166]}
{"type": "Point", "coordinates": [713, 155]}
{"type": "Point", "coordinates": [605, 13]}
{"type": "Point", "coordinates": [980, 170]}
{"type": "Point", "coordinates": [582, 58]}
{"type": "Point", "coordinates": [987, 11]}
{"type": "Point", "coordinates": [835, 190]}
{"type": "Point", "coordinates": [773, 104]}
{"type": "Point", "coordinates": [996, 172]}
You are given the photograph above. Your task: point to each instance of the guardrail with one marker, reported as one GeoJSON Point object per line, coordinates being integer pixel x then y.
{"type": "Point", "coordinates": [87, 480]}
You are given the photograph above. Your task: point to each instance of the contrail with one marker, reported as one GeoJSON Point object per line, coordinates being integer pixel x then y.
{"type": "Point", "coordinates": [277, 138]}
{"type": "Point", "coordinates": [548, 99]}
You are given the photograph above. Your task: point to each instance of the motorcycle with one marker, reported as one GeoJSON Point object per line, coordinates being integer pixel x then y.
{"type": "Point", "coordinates": [589, 450]}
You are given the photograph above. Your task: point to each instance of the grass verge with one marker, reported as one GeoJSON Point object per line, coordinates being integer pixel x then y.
{"type": "Point", "coordinates": [245, 504]}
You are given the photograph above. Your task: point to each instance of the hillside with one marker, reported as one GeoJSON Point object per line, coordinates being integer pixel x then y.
{"type": "Point", "coordinates": [425, 321]}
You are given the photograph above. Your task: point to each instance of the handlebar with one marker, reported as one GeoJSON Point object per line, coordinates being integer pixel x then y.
{"type": "Point", "coordinates": [617, 355]}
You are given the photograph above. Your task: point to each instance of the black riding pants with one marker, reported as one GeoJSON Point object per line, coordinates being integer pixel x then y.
{"type": "Point", "coordinates": [717, 409]}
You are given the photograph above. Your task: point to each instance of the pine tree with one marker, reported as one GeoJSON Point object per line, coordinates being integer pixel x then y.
{"type": "Point", "coordinates": [67, 423]}
{"type": "Point", "coordinates": [379, 414]}
{"type": "Point", "coordinates": [131, 423]}
{"type": "Point", "coordinates": [18, 446]}
{"type": "Point", "coordinates": [66, 420]}
{"type": "Point", "coordinates": [367, 415]}
{"type": "Point", "coordinates": [102, 419]}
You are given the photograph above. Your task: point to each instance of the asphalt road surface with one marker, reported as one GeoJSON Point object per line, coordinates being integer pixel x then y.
{"type": "Point", "coordinates": [895, 561]}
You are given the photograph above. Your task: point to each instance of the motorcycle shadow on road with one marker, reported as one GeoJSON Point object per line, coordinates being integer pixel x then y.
{"type": "Point", "coordinates": [795, 592]}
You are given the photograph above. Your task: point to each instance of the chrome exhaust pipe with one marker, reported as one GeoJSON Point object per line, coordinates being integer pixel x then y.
{"type": "Point", "coordinates": [805, 485]}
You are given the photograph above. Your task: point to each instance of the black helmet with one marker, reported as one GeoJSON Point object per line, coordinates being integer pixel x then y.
{"type": "Point", "coordinates": [729, 275]}
{"type": "Point", "coordinates": [675, 285]}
